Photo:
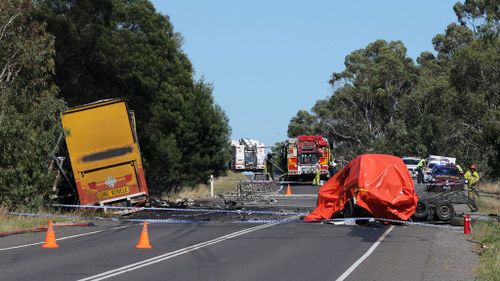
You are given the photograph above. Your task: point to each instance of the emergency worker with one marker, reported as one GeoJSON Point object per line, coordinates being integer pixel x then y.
{"type": "Point", "coordinates": [420, 169]}
{"type": "Point", "coordinates": [317, 170]}
{"type": "Point", "coordinates": [472, 177]}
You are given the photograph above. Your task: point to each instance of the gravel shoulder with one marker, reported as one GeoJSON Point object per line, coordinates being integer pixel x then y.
{"type": "Point", "coordinates": [451, 257]}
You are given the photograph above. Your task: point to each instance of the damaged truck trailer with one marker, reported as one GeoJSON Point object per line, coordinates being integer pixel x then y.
{"type": "Point", "coordinates": [104, 153]}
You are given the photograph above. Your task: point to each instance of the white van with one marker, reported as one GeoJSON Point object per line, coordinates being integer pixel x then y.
{"type": "Point", "coordinates": [411, 163]}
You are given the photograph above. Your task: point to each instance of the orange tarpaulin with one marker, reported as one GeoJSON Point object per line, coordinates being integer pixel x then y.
{"type": "Point", "coordinates": [381, 184]}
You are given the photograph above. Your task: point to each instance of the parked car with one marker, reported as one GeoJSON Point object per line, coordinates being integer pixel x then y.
{"type": "Point", "coordinates": [411, 163]}
{"type": "Point", "coordinates": [445, 177]}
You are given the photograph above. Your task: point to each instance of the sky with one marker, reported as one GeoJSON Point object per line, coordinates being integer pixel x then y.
{"type": "Point", "coordinates": [269, 59]}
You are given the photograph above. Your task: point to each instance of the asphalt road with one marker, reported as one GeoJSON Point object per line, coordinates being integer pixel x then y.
{"type": "Point", "coordinates": [228, 251]}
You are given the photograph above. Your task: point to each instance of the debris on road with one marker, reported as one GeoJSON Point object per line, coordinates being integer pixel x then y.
{"type": "Point", "coordinates": [260, 187]}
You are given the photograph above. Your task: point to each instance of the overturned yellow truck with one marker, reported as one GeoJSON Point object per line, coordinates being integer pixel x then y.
{"type": "Point", "coordinates": [104, 153]}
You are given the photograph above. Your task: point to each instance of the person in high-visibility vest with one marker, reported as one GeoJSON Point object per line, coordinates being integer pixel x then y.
{"type": "Point", "coordinates": [472, 177]}
{"type": "Point", "coordinates": [317, 175]}
{"type": "Point", "coordinates": [420, 169]}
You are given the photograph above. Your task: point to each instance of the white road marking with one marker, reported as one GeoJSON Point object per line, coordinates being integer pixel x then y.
{"type": "Point", "coordinates": [63, 238]}
{"type": "Point", "coordinates": [173, 254]}
{"type": "Point", "coordinates": [363, 257]}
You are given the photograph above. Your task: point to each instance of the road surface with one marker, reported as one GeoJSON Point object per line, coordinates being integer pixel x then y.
{"type": "Point", "coordinates": [235, 251]}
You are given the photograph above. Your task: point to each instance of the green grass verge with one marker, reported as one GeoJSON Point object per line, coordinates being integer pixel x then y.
{"type": "Point", "coordinates": [228, 183]}
{"type": "Point", "coordinates": [10, 223]}
{"type": "Point", "coordinates": [488, 233]}
{"type": "Point", "coordinates": [13, 223]}
{"type": "Point", "coordinates": [222, 185]}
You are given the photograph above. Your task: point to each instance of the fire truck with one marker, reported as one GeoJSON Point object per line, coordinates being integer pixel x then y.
{"type": "Point", "coordinates": [303, 152]}
{"type": "Point", "coordinates": [248, 155]}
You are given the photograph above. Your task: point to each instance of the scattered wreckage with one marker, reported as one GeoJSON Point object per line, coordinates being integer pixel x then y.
{"type": "Point", "coordinates": [445, 189]}
{"type": "Point", "coordinates": [261, 186]}
{"type": "Point", "coordinates": [439, 204]}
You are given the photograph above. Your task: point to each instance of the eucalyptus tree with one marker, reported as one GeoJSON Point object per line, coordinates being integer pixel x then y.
{"type": "Point", "coordinates": [365, 106]}
{"type": "Point", "coordinates": [28, 106]}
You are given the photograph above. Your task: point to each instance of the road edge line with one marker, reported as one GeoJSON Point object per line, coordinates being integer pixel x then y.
{"type": "Point", "coordinates": [169, 255]}
{"type": "Point", "coordinates": [64, 238]}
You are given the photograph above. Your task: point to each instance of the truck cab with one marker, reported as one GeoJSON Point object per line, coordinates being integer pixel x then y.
{"type": "Point", "coordinates": [303, 152]}
{"type": "Point", "coordinates": [247, 155]}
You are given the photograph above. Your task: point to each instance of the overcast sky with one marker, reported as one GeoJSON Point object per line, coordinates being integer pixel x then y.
{"type": "Point", "coordinates": [269, 59]}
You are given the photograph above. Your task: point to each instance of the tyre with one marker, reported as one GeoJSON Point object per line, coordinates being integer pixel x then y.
{"type": "Point", "coordinates": [353, 211]}
{"type": "Point", "coordinates": [348, 211]}
{"type": "Point", "coordinates": [444, 211]}
{"type": "Point", "coordinates": [422, 210]}
{"type": "Point", "coordinates": [434, 188]}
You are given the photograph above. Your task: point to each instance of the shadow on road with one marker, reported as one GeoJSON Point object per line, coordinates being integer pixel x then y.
{"type": "Point", "coordinates": [368, 233]}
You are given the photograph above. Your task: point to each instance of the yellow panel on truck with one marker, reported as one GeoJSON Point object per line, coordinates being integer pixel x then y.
{"type": "Point", "coordinates": [104, 153]}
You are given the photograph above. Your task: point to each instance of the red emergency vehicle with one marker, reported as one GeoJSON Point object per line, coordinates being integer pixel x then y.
{"type": "Point", "coordinates": [303, 153]}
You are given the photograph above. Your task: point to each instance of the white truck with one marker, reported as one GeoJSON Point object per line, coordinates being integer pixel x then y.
{"type": "Point", "coordinates": [248, 155]}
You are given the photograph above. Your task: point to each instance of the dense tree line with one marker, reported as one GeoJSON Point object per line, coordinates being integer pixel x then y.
{"type": "Point", "coordinates": [29, 106]}
{"type": "Point", "coordinates": [446, 103]}
{"type": "Point", "coordinates": [56, 54]}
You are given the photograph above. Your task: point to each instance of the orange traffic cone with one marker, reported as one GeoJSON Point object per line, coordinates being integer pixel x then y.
{"type": "Point", "coordinates": [144, 238]}
{"type": "Point", "coordinates": [288, 190]}
{"type": "Point", "coordinates": [50, 238]}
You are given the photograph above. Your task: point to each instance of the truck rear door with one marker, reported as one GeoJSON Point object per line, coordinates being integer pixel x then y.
{"type": "Point", "coordinates": [104, 152]}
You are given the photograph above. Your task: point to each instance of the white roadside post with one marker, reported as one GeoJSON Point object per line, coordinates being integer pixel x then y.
{"type": "Point", "coordinates": [212, 185]}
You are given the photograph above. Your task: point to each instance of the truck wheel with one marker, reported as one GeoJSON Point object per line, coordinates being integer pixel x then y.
{"type": "Point", "coordinates": [444, 211]}
{"type": "Point", "coordinates": [433, 188]}
{"type": "Point", "coordinates": [348, 211]}
{"type": "Point", "coordinates": [421, 211]}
